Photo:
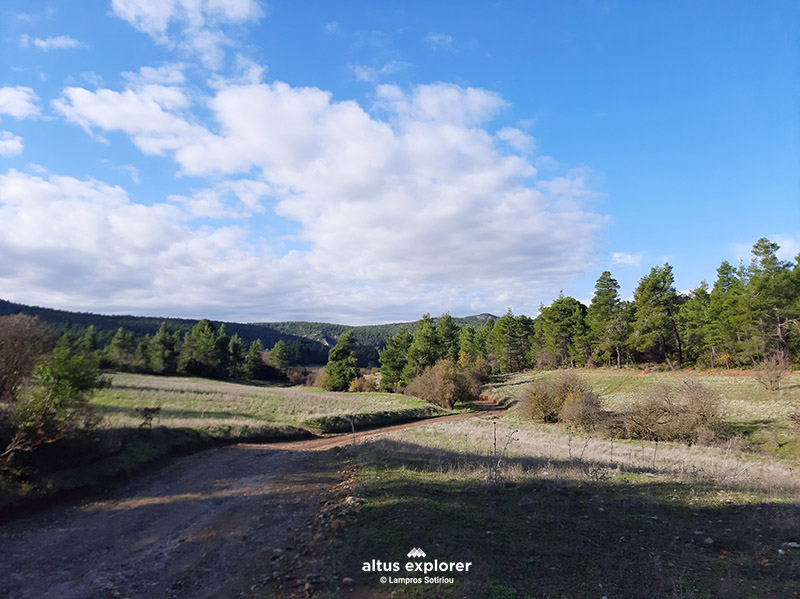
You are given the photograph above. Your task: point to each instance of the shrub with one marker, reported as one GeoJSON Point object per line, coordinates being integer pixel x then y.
{"type": "Point", "coordinates": [688, 412]}
{"type": "Point", "coordinates": [363, 384]}
{"type": "Point", "coordinates": [582, 410]}
{"type": "Point", "coordinates": [772, 371]}
{"type": "Point", "coordinates": [58, 405]}
{"type": "Point", "coordinates": [299, 375]}
{"type": "Point", "coordinates": [444, 384]}
{"type": "Point", "coordinates": [548, 395]}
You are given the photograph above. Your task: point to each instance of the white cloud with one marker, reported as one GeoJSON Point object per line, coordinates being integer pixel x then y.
{"type": "Point", "coordinates": [19, 102]}
{"type": "Point", "coordinates": [197, 25]}
{"type": "Point", "coordinates": [626, 259]}
{"type": "Point", "coordinates": [56, 43]}
{"type": "Point", "coordinates": [166, 74]}
{"type": "Point", "coordinates": [518, 140]}
{"type": "Point", "coordinates": [439, 41]}
{"type": "Point", "coordinates": [332, 28]}
{"type": "Point", "coordinates": [10, 144]}
{"type": "Point", "coordinates": [411, 208]}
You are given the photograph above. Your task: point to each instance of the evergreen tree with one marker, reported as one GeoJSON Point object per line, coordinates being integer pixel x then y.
{"type": "Point", "coordinates": [425, 350]}
{"type": "Point", "coordinates": [88, 342]}
{"type": "Point", "coordinates": [563, 327]}
{"type": "Point", "coordinates": [730, 317]}
{"type": "Point", "coordinates": [447, 331]}
{"type": "Point", "coordinates": [236, 356]}
{"type": "Point", "coordinates": [279, 356]}
{"type": "Point", "coordinates": [163, 351]}
{"type": "Point", "coordinates": [693, 325]}
{"type": "Point", "coordinates": [254, 362]}
{"type": "Point", "coordinates": [341, 368]}
{"type": "Point", "coordinates": [604, 319]}
{"type": "Point", "coordinates": [509, 340]}
{"type": "Point", "coordinates": [655, 330]}
{"type": "Point", "coordinates": [121, 350]}
{"type": "Point", "coordinates": [222, 350]}
{"type": "Point", "coordinates": [199, 355]}
{"type": "Point", "coordinates": [393, 360]}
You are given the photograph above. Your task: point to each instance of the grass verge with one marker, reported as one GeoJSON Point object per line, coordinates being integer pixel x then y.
{"type": "Point", "coordinates": [570, 519]}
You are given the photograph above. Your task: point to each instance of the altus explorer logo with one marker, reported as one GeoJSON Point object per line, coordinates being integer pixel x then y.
{"type": "Point", "coordinates": [419, 570]}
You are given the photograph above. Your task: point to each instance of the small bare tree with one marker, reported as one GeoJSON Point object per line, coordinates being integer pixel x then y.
{"type": "Point", "coordinates": [773, 369]}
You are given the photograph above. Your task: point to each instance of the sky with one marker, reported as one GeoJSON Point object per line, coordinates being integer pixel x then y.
{"type": "Point", "coordinates": [367, 162]}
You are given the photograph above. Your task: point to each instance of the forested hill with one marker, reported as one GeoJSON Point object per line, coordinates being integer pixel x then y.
{"type": "Point", "coordinates": [373, 335]}
{"type": "Point", "coordinates": [309, 341]}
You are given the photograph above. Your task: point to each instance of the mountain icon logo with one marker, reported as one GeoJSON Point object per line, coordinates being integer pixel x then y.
{"type": "Point", "coordinates": [416, 553]}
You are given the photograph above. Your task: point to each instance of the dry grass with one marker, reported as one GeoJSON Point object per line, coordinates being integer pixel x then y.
{"type": "Point", "coordinates": [202, 403]}
{"type": "Point", "coordinates": [540, 451]}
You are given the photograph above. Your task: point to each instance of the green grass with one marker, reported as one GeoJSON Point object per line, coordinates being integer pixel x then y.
{"type": "Point", "coordinates": [205, 404]}
{"type": "Point", "coordinates": [193, 414]}
{"type": "Point", "coordinates": [571, 518]}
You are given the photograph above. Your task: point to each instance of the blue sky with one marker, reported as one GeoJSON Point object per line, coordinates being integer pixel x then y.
{"type": "Point", "coordinates": [366, 162]}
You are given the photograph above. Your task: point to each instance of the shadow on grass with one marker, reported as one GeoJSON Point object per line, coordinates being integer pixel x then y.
{"type": "Point", "coordinates": [565, 537]}
{"type": "Point", "coordinates": [173, 413]}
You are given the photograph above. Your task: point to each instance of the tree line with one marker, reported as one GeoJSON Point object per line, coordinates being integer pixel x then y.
{"type": "Point", "coordinates": [749, 316]}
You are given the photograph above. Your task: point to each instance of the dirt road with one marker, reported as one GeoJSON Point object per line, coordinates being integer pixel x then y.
{"type": "Point", "coordinates": [213, 524]}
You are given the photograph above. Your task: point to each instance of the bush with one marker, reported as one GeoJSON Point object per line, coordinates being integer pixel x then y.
{"type": "Point", "coordinates": [444, 384]}
{"type": "Point", "coordinates": [688, 413]}
{"type": "Point", "coordinates": [583, 410]}
{"type": "Point", "coordinates": [363, 384]}
{"type": "Point", "coordinates": [549, 394]}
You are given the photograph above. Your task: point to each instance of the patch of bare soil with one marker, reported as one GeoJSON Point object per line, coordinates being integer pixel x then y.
{"type": "Point", "coordinates": [239, 521]}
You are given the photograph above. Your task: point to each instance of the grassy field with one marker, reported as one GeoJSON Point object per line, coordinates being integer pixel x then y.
{"type": "Point", "coordinates": [759, 416]}
{"type": "Point", "coordinates": [192, 414]}
{"type": "Point", "coordinates": [562, 515]}
{"type": "Point", "coordinates": [217, 406]}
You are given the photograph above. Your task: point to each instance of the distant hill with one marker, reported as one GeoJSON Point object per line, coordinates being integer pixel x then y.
{"type": "Point", "coordinates": [310, 340]}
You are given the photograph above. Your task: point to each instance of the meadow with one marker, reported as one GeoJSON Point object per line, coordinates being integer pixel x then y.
{"type": "Point", "coordinates": [543, 511]}
{"type": "Point", "coordinates": [145, 419]}
{"type": "Point", "coordinates": [225, 406]}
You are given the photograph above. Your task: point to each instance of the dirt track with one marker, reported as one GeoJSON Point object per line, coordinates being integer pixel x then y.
{"type": "Point", "coordinates": [213, 524]}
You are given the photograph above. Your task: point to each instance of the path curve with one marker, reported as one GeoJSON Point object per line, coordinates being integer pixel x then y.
{"type": "Point", "coordinates": [211, 524]}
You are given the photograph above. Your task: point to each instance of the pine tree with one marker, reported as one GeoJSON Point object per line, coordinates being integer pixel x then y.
{"type": "Point", "coordinates": [425, 350]}
{"type": "Point", "coordinates": [655, 330]}
{"type": "Point", "coordinates": [447, 331]}
{"type": "Point", "coordinates": [199, 354]}
{"type": "Point", "coordinates": [393, 360]}
{"type": "Point", "coordinates": [254, 362]}
{"type": "Point", "coordinates": [341, 368]}
{"type": "Point", "coordinates": [279, 356]}
{"type": "Point", "coordinates": [606, 325]}
{"type": "Point", "coordinates": [236, 357]}
{"type": "Point", "coordinates": [163, 351]}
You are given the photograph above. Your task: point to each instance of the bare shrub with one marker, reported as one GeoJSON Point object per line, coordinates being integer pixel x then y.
{"type": "Point", "coordinates": [794, 418]}
{"type": "Point", "coordinates": [546, 360]}
{"type": "Point", "coordinates": [690, 412]}
{"type": "Point", "coordinates": [583, 410]}
{"type": "Point", "coordinates": [361, 384]}
{"type": "Point", "coordinates": [444, 384]}
{"type": "Point", "coordinates": [300, 375]}
{"type": "Point", "coordinates": [548, 395]}
{"type": "Point", "coordinates": [773, 369]}
{"type": "Point", "coordinates": [321, 380]}
{"type": "Point", "coordinates": [23, 340]}
{"type": "Point", "coordinates": [482, 369]}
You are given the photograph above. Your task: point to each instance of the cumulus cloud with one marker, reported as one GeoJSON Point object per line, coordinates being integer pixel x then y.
{"type": "Point", "coordinates": [10, 144]}
{"type": "Point", "coordinates": [19, 102]}
{"type": "Point", "coordinates": [56, 43]}
{"type": "Point", "coordinates": [412, 205]}
{"type": "Point", "coordinates": [196, 26]}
